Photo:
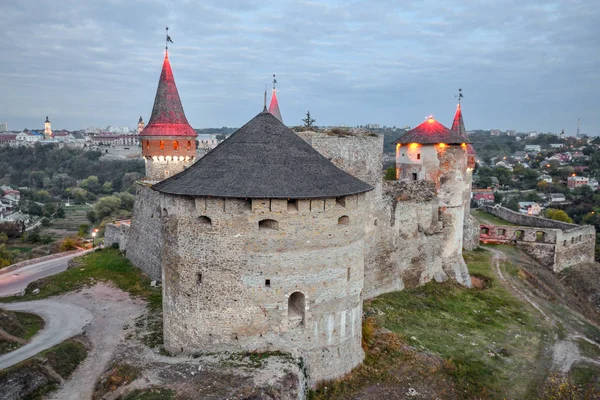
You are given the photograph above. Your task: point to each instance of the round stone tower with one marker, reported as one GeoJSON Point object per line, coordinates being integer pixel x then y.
{"type": "Point", "coordinates": [435, 153]}
{"type": "Point", "coordinates": [264, 251]}
{"type": "Point", "coordinates": [168, 141]}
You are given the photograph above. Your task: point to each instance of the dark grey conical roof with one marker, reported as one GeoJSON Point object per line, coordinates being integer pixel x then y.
{"type": "Point", "coordinates": [263, 159]}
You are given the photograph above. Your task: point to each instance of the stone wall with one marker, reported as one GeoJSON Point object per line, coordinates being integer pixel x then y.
{"type": "Point", "coordinates": [118, 233]}
{"type": "Point", "coordinates": [145, 240]}
{"type": "Point", "coordinates": [160, 168]}
{"type": "Point", "coordinates": [265, 275]}
{"type": "Point", "coordinates": [405, 235]}
{"type": "Point", "coordinates": [557, 245]}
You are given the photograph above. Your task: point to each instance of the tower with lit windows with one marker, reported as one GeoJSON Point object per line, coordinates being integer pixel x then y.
{"type": "Point", "coordinates": [141, 125]}
{"type": "Point", "coordinates": [168, 141]}
{"type": "Point", "coordinates": [435, 153]}
{"type": "Point", "coordinates": [47, 129]}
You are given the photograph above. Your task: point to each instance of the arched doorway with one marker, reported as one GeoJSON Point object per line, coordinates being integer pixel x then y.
{"type": "Point", "coordinates": [296, 309]}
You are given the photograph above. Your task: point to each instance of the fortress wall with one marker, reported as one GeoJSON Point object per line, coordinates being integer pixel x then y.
{"type": "Point", "coordinates": [116, 233]}
{"type": "Point", "coordinates": [159, 169]}
{"type": "Point", "coordinates": [145, 240]}
{"type": "Point", "coordinates": [575, 246]}
{"type": "Point", "coordinates": [216, 296]}
{"type": "Point", "coordinates": [528, 220]}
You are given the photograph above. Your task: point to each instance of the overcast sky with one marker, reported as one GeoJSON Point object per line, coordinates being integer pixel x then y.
{"type": "Point", "coordinates": [525, 65]}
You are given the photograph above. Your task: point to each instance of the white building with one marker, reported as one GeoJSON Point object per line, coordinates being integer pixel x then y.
{"type": "Point", "coordinates": [533, 148]}
{"type": "Point", "coordinates": [529, 208]}
{"type": "Point", "coordinates": [3, 126]}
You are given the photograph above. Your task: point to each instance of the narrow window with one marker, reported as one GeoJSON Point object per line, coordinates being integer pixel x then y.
{"type": "Point", "coordinates": [204, 220]}
{"type": "Point", "coordinates": [199, 278]}
{"type": "Point", "coordinates": [189, 145]}
{"type": "Point", "coordinates": [267, 283]}
{"type": "Point", "coordinates": [175, 145]}
{"type": "Point", "coordinates": [340, 201]}
{"type": "Point", "coordinates": [572, 240]}
{"type": "Point", "coordinates": [418, 156]}
{"type": "Point", "coordinates": [296, 305]}
{"type": "Point", "coordinates": [565, 243]}
{"type": "Point", "coordinates": [147, 145]}
{"type": "Point", "coordinates": [162, 144]}
{"type": "Point", "coordinates": [348, 277]}
{"type": "Point", "coordinates": [414, 176]}
{"type": "Point", "coordinates": [343, 220]}
{"type": "Point", "coordinates": [292, 205]}
{"type": "Point", "coordinates": [268, 224]}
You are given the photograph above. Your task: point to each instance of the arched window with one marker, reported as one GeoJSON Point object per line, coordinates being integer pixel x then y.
{"type": "Point", "coordinates": [296, 307]}
{"type": "Point", "coordinates": [175, 145]}
{"type": "Point", "coordinates": [164, 213]}
{"type": "Point", "coordinates": [189, 145]}
{"type": "Point", "coordinates": [540, 236]}
{"type": "Point", "coordinates": [147, 145]}
{"type": "Point", "coordinates": [204, 220]}
{"type": "Point", "coordinates": [268, 224]}
{"type": "Point", "coordinates": [343, 220]}
{"type": "Point", "coordinates": [162, 144]}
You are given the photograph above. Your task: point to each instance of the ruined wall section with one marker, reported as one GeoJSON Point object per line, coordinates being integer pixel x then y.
{"type": "Point", "coordinates": [145, 239]}
{"type": "Point", "coordinates": [564, 245]}
{"type": "Point", "coordinates": [231, 281]}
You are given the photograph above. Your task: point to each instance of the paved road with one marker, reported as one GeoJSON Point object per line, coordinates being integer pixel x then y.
{"type": "Point", "coordinates": [63, 321]}
{"type": "Point", "coordinates": [14, 282]}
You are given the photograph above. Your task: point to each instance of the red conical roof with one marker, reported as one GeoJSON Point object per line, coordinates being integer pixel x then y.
{"type": "Point", "coordinates": [430, 132]}
{"type": "Point", "coordinates": [471, 149]}
{"type": "Point", "coordinates": [274, 106]}
{"type": "Point", "coordinates": [458, 126]}
{"type": "Point", "coordinates": [168, 118]}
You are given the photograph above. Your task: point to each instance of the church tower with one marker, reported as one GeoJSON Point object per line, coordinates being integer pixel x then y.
{"type": "Point", "coordinates": [141, 125]}
{"type": "Point", "coordinates": [47, 129]}
{"type": "Point", "coordinates": [274, 106]}
{"type": "Point", "coordinates": [168, 141]}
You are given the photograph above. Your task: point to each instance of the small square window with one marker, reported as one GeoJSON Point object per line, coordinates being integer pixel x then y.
{"type": "Point", "coordinates": [414, 176]}
{"type": "Point", "coordinates": [418, 156]}
{"type": "Point", "coordinates": [267, 283]}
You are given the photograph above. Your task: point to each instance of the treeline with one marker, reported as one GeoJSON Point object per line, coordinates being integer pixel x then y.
{"type": "Point", "coordinates": [59, 171]}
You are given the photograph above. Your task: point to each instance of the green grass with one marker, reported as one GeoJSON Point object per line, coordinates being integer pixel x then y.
{"type": "Point", "coordinates": [18, 324]}
{"type": "Point", "coordinates": [490, 219]}
{"type": "Point", "coordinates": [104, 265]}
{"type": "Point", "coordinates": [586, 376]}
{"type": "Point", "coordinates": [22, 249]}
{"type": "Point", "coordinates": [150, 394]}
{"type": "Point", "coordinates": [490, 343]}
{"type": "Point", "coordinates": [63, 358]}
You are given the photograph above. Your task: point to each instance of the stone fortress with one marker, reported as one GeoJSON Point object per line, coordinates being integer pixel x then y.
{"type": "Point", "coordinates": [272, 241]}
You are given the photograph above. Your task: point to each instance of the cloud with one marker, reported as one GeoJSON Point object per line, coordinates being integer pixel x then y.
{"type": "Point", "coordinates": [525, 65]}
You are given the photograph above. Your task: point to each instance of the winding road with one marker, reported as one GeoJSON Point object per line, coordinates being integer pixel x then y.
{"type": "Point", "coordinates": [14, 282]}
{"type": "Point", "coordinates": [63, 321]}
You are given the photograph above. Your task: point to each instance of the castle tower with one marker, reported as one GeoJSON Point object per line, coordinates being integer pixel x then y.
{"type": "Point", "coordinates": [47, 129]}
{"type": "Point", "coordinates": [435, 153]}
{"type": "Point", "coordinates": [274, 105]}
{"type": "Point", "coordinates": [168, 141]}
{"type": "Point", "coordinates": [264, 251]}
{"type": "Point", "coordinates": [141, 125]}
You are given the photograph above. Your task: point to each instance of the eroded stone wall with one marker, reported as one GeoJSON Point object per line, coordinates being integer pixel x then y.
{"type": "Point", "coordinates": [234, 283]}
{"type": "Point", "coordinates": [116, 233]}
{"type": "Point", "coordinates": [145, 239]}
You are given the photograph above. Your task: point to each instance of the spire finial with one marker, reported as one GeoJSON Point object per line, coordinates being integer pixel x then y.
{"type": "Point", "coordinates": [265, 101]}
{"type": "Point", "coordinates": [274, 81]}
{"type": "Point", "coordinates": [167, 39]}
{"type": "Point", "coordinates": [459, 95]}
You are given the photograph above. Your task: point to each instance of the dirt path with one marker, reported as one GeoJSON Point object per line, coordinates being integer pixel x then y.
{"type": "Point", "coordinates": [112, 309]}
{"type": "Point", "coordinates": [565, 352]}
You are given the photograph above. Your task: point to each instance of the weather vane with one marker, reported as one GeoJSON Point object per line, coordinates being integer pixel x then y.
{"type": "Point", "coordinates": [265, 102]}
{"type": "Point", "coordinates": [460, 95]}
{"type": "Point", "coordinates": [274, 81]}
{"type": "Point", "coordinates": [167, 39]}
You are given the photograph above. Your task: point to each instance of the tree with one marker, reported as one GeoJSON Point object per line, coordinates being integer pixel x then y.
{"type": "Point", "coordinates": [34, 209]}
{"type": "Point", "coordinates": [390, 174]}
{"type": "Point", "coordinates": [45, 222]}
{"type": "Point", "coordinates": [308, 121]}
{"type": "Point", "coordinates": [60, 213]}
{"type": "Point", "coordinates": [558, 215]}
{"type": "Point", "coordinates": [498, 197]}
{"type": "Point", "coordinates": [542, 186]}
{"type": "Point", "coordinates": [106, 206]}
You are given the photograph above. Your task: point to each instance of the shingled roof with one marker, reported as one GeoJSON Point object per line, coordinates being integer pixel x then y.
{"type": "Point", "coordinates": [431, 132]}
{"type": "Point", "coordinates": [168, 118]}
{"type": "Point", "coordinates": [263, 159]}
{"type": "Point", "coordinates": [458, 125]}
